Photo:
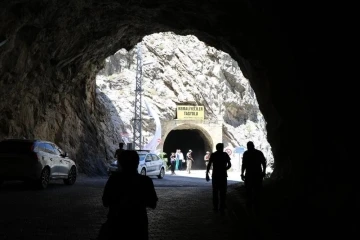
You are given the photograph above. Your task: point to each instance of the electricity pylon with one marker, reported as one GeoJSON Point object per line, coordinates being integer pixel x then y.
{"type": "Point", "coordinates": [137, 121]}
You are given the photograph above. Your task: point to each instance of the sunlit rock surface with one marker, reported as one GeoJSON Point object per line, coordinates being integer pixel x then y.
{"type": "Point", "coordinates": [181, 70]}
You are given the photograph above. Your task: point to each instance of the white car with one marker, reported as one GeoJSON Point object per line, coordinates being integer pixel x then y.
{"type": "Point", "coordinates": [150, 164]}
{"type": "Point", "coordinates": [36, 161]}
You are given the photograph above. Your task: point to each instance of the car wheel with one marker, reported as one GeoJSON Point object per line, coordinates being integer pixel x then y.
{"type": "Point", "coordinates": [161, 174]}
{"type": "Point", "coordinates": [44, 178]}
{"type": "Point", "coordinates": [143, 172]}
{"type": "Point", "coordinates": [71, 177]}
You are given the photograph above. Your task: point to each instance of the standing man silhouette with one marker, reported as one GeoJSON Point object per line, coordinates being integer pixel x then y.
{"type": "Point", "coordinates": [254, 166]}
{"type": "Point", "coordinates": [119, 150]}
{"type": "Point", "coordinates": [221, 163]}
{"type": "Point", "coordinates": [128, 194]}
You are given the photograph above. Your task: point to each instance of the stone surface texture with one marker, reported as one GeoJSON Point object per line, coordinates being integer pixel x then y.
{"type": "Point", "coordinates": [180, 70]}
{"type": "Point", "coordinates": [51, 52]}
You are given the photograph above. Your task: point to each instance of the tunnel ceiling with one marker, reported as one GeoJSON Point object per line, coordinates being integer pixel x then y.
{"type": "Point", "coordinates": [50, 52]}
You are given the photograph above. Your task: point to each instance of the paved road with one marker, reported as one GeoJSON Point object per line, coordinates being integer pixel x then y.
{"type": "Point", "coordinates": [75, 212]}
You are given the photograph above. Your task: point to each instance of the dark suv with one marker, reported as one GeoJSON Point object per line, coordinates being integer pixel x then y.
{"type": "Point", "coordinates": [35, 160]}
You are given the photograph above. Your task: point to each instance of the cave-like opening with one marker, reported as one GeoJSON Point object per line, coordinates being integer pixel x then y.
{"type": "Point", "coordinates": [77, 51]}
{"type": "Point", "coordinates": [213, 80]}
{"type": "Point", "coordinates": [186, 139]}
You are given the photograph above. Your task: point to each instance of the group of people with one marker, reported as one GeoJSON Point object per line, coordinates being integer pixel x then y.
{"type": "Point", "coordinates": [252, 173]}
{"type": "Point", "coordinates": [128, 194]}
{"type": "Point", "coordinates": [177, 160]}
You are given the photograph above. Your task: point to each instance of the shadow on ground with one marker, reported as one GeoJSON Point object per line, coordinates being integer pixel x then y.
{"type": "Point", "coordinates": [271, 218]}
{"type": "Point", "coordinates": [19, 186]}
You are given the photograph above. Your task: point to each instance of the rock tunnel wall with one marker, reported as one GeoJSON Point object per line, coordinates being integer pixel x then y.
{"type": "Point", "coordinates": [50, 52]}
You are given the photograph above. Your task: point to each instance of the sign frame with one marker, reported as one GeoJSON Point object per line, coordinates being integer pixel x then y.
{"type": "Point", "coordinates": [188, 112]}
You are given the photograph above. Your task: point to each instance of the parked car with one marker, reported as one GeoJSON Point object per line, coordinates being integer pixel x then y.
{"type": "Point", "coordinates": [150, 164]}
{"type": "Point", "coordinates": [36, 161]}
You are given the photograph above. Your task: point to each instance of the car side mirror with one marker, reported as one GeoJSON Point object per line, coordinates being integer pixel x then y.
{"type": "Point", "coordinates": [64, 154]}
{"type": "Point", "coordinates": [147, 160]}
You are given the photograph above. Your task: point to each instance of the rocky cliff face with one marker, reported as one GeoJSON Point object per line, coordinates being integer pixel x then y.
{"type": "Point", "coordinates": [182, 70]}
{"type": "Point", "coordinates": [50, 52]}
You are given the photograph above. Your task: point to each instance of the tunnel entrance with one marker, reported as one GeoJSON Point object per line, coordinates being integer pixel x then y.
{"type": "Point", "coordinates": [186, 139]}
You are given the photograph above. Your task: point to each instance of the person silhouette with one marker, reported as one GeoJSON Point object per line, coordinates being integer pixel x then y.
{"type": "Point", "coordinates": [221, 163]}
{"type": "Point", "coordinates": [119, 150]}
{"type": "Point", "coordinates": [127, 194]}
{"type": "Point", "coordinates": [254, 166]}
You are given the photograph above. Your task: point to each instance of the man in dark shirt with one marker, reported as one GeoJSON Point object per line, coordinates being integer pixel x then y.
{"type": "Point", "coordinates": [118, 151]}
{"type": "Point", "coordinates": [254, 166]}
{"type": "Point", "coordinates": [127, 194]}
{"type": "Point", "coordinates": [221, 163]}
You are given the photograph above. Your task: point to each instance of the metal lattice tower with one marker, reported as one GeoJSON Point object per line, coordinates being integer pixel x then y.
{"type": "Point", "coordinates": [137, 121]}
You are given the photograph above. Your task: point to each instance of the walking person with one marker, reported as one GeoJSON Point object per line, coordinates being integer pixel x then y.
{"type": "Point", "coordinates": [220, 161]}
{"type": "Point", "coordinates": [189, 161]}
{"type": "Point", "coordinates": [181, 159]}
{"type": "Point", "coordinates": [127, 194]}
{"type": "Point", "coordinates": [253, 171]}
{"type": "Point", "coordinates": [177, 159]}
{"type": "Point", "coordinates": [172, 161]}
{"type": "Point", "coordinates": [206, 158]}
{"type": "Point", "coordinates": [118, 153]}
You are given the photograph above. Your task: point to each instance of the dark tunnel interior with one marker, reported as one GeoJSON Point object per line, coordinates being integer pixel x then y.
{"type": "Point", "coordinates": [51, 51]}
{"type": "Point", "coordinates": [188, 139]}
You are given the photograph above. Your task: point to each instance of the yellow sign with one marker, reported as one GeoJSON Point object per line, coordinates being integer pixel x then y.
{"type": "Point", "coordinates": [190, 112]}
